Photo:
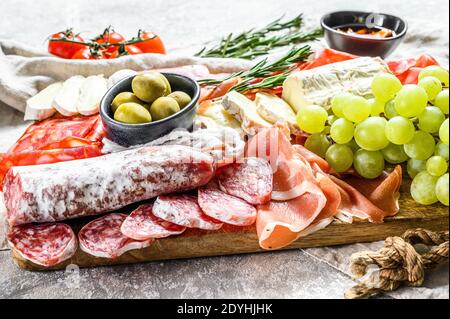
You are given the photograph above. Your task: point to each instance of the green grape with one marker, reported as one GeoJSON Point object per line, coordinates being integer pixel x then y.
{"type": "Point", "coordinates": [312, 118]}
{"type": "Point", "coordinates": [432, 86]}
{"type": "Point", "coordinates": [430, 119]}
{"type": "Point", "coordinates": [342, 131]}
{"type": "Point", "coordinates": [370, 134]}
{"type": "Point", "coordinates": [318, 144]}
{"type": "Point", "coordinates": [437, 166]}
{"type": "Point", "coordinates": [385, 86]}
{"type": "Point", "coordinates": [326, 130]}
{"type": "Point", "coordinates": [411, 100]}
{"type": "Point", "coordinates": [331, 119]}
{"type": "Point", "coordinates": [394, 154]}
{"type": "Point", "coordinates": [423, 188]}
{"type": "Point", "coordinates": [437, 72]}
{"type": "Point", "coordinates": [368, 164]}
{"type": "Point", "coordinates": [357, 110]}
{"type": "Point", "coordinates": [421, 146]}
{"type": "Point", "coordinates": [399, 130]}
{"type": "Point", "coordinates": [353, 145]}
{"type": "Point", "coordinates": [339, 101]}
{"type": "Point", "coordinates": [340, 157]}
{"type": "Point", "coordinates": [414, 167]}
{"type": "Point", "coordinates": [441, 101]}
{"type": "Point", "coordinates": [376, 107]}
{"type": "Point", "coordinates": [389, 110]}
{"type": "Point", "coordinates": [442, 189]}
{"type": "Point", "coordinates": [443, 132]}
{"type": "Point", "coordinates": [442, 150]}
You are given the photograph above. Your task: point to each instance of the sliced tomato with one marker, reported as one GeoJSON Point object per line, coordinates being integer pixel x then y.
{"type": "Point", "coordinates": [152, 43]}
{"type": "Point", "coordinates": [65, 49]}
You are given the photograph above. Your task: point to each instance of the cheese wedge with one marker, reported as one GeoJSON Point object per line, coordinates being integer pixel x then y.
{"type": "Point", "coordinates": [216, 112]}
{"type": "Point", "coordinates": [274, 109]}
{"type": "Point", "coordinates": [244, 110]}
{"type": "Point", "coordinates": [91, 93]}
{"type": "Point", "coordinates": [67, 98]}
{"type": "Point", "coordinates": [319, 85]}
{"type": "Point", "coordinates": [40, 106]}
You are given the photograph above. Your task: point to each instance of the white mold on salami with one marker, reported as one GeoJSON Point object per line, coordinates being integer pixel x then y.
{"type": "Point", "coordinates": [142, 224]}
{"type": "Point", "coordinates": [251, 180]}
{"type": "Point", "coordinates": [52, 192]}
{"type": "Point", "coordinates": [45, 244]}
{"type": "Point", "coordinates": [226, 208]}
{"type": "Point", "coordinates": [102, 237]}
{"type": "Point", "coordinates": [183, 210]}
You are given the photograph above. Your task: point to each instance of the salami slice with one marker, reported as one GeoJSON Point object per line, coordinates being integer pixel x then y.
{"type": "Point", "coordinates": [141, 224]}
{"type": "Point", "coordinates": [183, 210]}
{"type": "Point", "coordinates": [226, 208]}
{"type": "Point", "coordinates": [102, 237]}
{"type": "Point", "coordinates": [52, 192]}
{"type": "Point", "coordinates": [250, 180]}
{"type": "Point", "coordinates": [44, 244]}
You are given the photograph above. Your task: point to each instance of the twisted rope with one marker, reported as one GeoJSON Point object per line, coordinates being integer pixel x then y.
{"type": "Point", "coordinates": [398, 261]}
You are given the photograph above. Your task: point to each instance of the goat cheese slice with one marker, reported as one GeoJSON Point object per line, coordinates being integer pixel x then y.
{"type": "Point", "coordinates": [40, 106]}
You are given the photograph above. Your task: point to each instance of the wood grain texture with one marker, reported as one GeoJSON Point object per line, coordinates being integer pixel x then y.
{"type": "Point", "coordinates": [239, 240]}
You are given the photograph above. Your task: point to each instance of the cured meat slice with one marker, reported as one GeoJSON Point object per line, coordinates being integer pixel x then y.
{"type": "Point", "coordinates": [102, 237]}
{"type": "Point", "coordinates": [354, 204]}
{"type": "Point", "coordinates": [292, 174]}
{"type": "Point", "coordinates": [183, 210]}
{"type": "Point", "coordinates": [44, 244]}
{"type": "Point", "coordinates": [142, 224]}
{"type": "Point", "coordinates": [383, 191]}
{"type": "Point", "coordinates": [60, 191]}
{"type": "Point", "coordinates": [251, 180]}
{"type": "Point", "coordinates": [280, 223]}
{"type": "Point", "coordinates": [226, 208]}
{"type": "Point", "coordinates": [312, 158]}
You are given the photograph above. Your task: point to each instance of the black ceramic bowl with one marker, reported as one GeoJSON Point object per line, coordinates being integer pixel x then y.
{"type": "Point", "coordinates": [134, 134]}
{"type": "Point", "coordinates": [361, 45]}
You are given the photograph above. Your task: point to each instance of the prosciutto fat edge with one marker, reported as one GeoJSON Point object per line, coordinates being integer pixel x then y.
{"type": "Point", "coordinates": [53, 192]}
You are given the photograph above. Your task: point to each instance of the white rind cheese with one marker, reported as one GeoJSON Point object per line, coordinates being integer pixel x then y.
{"type": "Point", "coordinates": [92, 91]}
{"type": "Point", "coordinates": [67, 98]}
{"type": "Point", "coordinates": [244, 110]}
{"type": "Point", "coordinates": [274, 109]}
{"type": "Point", "coordinates": [40, 106]}
{"type": "Point", "coordinates": [319, 85]}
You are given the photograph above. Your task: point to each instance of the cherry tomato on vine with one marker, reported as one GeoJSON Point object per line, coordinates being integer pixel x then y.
{"type": "Point", "coordinates": [152, 43]}
{"type": "Point", "coordinates": [129, 50]}
{"type": "Point", "coordinates": [111, 37]}
{"type": "Point", "coordinates": [65, 49]}
{"type": "Point", "coordinates": [87, 54]}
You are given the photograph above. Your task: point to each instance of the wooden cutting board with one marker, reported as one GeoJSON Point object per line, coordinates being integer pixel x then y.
{"type": "Point", "coordinates": [238, 240]}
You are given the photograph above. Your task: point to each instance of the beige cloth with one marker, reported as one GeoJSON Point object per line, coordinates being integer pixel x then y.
{"type": "Point", "coordinates": [25, 71]}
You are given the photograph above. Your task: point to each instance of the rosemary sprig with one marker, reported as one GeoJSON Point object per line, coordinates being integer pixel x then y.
{"type": "Point", "coordinates": [253, 43]}
{"type": "Point", "coordinates": [271, 73]}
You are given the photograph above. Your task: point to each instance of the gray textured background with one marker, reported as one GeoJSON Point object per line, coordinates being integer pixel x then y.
{"type": "Point", "coordinates": [185, 25]}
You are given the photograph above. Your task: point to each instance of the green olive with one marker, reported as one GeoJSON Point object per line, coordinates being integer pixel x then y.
{"type": "Point", "coordinates": [182, 98]}
{"type": "Point", "coordinates": [124, 97]}
{"type": "Point", "coordinates": [168, 87]}
{"type": "Point", "coordinates": [164, 107]}
{"type": "Point", "coordinates": [148, 87]}
{"type": "Point", "coordinates": [132, 113]}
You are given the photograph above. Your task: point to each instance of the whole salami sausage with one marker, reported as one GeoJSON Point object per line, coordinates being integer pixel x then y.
{"type": "Point", "coordinates": [52, 192]}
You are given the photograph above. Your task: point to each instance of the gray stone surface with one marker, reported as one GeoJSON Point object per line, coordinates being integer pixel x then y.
{"type": "Point", "coordinates": [185, 26]}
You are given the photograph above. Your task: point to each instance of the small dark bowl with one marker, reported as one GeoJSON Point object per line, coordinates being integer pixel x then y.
{"type": "Point", "coordinates": [134, 134]}
{"type": "Point", "coordinates": [360, 45]}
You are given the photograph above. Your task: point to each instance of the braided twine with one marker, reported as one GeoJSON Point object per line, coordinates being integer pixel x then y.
{"type": "Point", "coordinates": [398, 261]}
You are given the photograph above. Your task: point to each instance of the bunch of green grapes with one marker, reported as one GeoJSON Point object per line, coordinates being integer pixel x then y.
{"type": "Point", "coordinates": [400, 123]}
